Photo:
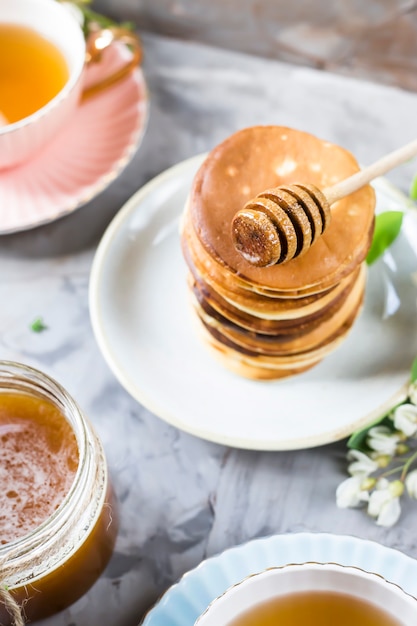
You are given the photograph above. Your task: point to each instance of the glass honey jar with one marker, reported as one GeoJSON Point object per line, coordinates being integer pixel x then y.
{"type": "Point", "coordinates": [58, 519]}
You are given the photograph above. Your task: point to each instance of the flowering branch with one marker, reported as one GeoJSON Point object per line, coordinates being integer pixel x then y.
{"type": "Point", "coordinates": [90, 20]}
{"type": "Point", "coordinates": [383, 456]}
{"type": "Point", "coordinates": [383, 462]}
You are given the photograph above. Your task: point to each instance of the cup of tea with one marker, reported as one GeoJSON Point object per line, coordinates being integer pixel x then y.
{"type": "Point", "coordinates": [43, 55]}
{"type": "Point", "coordinates": [312, 593]}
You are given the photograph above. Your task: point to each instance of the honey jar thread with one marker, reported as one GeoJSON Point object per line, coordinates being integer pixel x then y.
{"type": "Point", "coordinates": [7, 599]}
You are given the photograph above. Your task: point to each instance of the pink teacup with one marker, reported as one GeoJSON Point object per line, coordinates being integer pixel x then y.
{"type": "Point", "coordinates": [22, 139]}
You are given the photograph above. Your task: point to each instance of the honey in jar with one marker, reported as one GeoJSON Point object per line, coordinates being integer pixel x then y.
{"type": "Point", "coordinates": [38, 462]}
{"type": "Point", "coordinates": [58, 520]}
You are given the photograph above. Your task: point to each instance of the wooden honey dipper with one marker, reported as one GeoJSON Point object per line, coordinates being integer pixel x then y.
{"type": "Point", "coordinates": [282, 223]}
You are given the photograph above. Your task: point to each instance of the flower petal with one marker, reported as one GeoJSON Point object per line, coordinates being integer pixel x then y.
{"type": "Point", "coordinates": [377, 500]}
{"type": "Point", "coordinates": [405, 419]}
{"type": "Point", "coordinates": [362, 463]}
{"type": "Point", "coordinates": [411, 483]}
{"type": "Point", "coordinates": [382, 439]}
{"type": "Point", "coordinates": [390, 513]}
{"type": "Point", "coordinates": [350, 494]}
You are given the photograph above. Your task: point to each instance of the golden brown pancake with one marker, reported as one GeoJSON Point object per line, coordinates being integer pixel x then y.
{"type": "Point", "coordinates": [222, 278]}
{"type": "Point", "coordinates": [303, 338]}
{"type": "Point", "coordinates": [270, 322]}
{"type": "Point", "coordinates": [262, 157]}
{"type": "Point", "coordinates": [268, 368]}
{"type": "Point", "coordinates": [281, 317]}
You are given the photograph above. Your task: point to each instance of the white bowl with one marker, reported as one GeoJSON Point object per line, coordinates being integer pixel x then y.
{"type": "Point", "coordinates": [280, 581]}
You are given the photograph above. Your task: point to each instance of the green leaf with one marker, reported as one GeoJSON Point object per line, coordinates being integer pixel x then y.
{"type": "Point", "coordinates": [37, 325]}
{"type": "Point", "coordinates": [414, 371]}
{"type": "Point", "coordinates": [413, 188]}
{"type": "Point", "coordinates": [387, 228]}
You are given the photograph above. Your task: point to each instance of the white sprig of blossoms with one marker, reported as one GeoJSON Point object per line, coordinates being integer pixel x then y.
{"type": "Point", "coordinates": [383, 472]}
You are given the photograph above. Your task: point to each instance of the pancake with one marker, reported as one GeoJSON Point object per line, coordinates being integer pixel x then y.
{"type": "Point", "coordinates": [222, 278]}
{"type": "Point", "coordinates": [272, 322]}
{"type": "Point", "coordinates": [303, 338]}
{"type": "Point", "coordinates": [281, 315]}
{"type": "Point", "coordinates": [267, 368]}
{"type": "Point", "coordinates": [262, 157]}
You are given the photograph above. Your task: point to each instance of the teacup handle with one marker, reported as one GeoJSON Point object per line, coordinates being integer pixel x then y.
{"type": "Point", "coordinates": [97, 42]}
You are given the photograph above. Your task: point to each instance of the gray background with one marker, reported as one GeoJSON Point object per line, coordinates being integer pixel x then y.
{"type": "Point", "coordinates": [373, 39]}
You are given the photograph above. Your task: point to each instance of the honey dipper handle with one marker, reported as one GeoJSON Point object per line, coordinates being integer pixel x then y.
{"type": "Point", "coordinates": [363, 177]}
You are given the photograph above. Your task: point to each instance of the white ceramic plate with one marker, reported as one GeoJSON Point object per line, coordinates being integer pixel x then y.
{"type": "Point", "coordinates": [185, 601]}
{"type": "Point", "coordinates": [143, 324]}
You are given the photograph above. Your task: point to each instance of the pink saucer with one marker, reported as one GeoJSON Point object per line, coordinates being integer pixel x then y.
{"type": "Point", "coordinates": [85, 158]}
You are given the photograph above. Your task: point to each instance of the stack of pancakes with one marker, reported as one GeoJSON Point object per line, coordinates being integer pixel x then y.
{"type": "Point", "coordinates": [271, 322]}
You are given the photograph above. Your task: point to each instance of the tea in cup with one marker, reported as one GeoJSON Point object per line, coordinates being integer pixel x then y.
{"type": "Point", "coordinates": [43, 54]}
{"type": "Point", "coordinates": [312, 593]}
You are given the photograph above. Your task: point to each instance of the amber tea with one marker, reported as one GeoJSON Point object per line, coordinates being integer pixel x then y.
{"type": "Point", "coordinates": [315, 608]}
{"type": "Point", "coordinates": [32, 71]}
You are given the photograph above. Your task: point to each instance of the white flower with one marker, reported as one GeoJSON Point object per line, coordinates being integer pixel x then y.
{"type": "Point", "coordinates": [412, 392]}
{"type": "Point", "coordinates": [350, 493]}
{"type": "Point", "coordinates": [382, 439]}
{"type": "Point", "coordinates": [411, 483]}
{"type": "Point", "coordinates": [75, 12]}
{"type": "Point", "coordinates": [405, 419]}
{"type": "Point", "coordinates": [384, 502]}
{"type": "Point", "coordinates": [362, 464]}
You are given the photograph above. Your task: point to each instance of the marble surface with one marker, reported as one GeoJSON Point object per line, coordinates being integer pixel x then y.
{"type": "Point", "coordinates": [182, 498]}
{"type": "Point", "coordinates": [376, 39]}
